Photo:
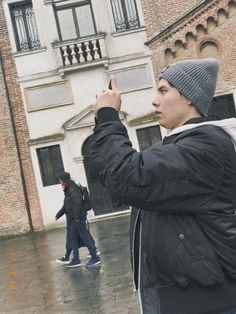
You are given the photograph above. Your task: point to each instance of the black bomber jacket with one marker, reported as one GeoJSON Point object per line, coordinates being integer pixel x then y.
{"type": "Point", "coordinates": [184, 189]}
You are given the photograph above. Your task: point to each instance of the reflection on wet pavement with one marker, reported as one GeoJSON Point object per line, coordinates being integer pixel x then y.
{"type": "Point", "coordinates": [31, 281]}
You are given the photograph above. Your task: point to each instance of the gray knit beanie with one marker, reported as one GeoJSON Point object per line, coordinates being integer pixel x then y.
{"type": "Point", "coordinates": [195, 79]}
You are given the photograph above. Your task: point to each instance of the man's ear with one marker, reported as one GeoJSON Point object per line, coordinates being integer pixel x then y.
{"type": "Point", "coordinates": [186, 101]}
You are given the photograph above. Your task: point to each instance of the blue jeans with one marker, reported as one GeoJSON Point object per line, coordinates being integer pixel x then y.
{"type": "Point", "coordinates": [68, 242]}
{"type": "Point", "coordinates": [79, 229]}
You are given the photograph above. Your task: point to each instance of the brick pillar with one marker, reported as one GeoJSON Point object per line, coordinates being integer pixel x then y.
{"type": "Point", "coordinates": [20, 209]}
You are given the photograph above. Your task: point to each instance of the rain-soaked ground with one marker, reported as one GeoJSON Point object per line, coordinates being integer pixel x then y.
{"type": "Point", "coordinates": [32, 282]}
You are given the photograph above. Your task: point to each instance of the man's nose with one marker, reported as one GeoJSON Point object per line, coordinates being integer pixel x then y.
{"type": "Point", "coordinates": [155, 102]}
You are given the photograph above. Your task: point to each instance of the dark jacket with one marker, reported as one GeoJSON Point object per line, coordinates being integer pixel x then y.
{"type": "Point", "coordinates": [185, 232]}
{"type": "Point", "coordinates": [73, 204]}
{"type": "Point", "coordinates": [62, 212]}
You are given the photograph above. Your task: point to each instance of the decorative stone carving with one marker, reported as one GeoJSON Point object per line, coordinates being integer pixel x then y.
{"type": "Point", "coordinates": [209, 49]}
{"type": "Point", "coordinates": [187, 31]}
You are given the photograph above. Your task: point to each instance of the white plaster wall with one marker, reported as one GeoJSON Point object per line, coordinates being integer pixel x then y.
{"type": "Point", "coordinates": [41, 67]}
{"type": "Point", "coordinates": [126, 43]}
{"type": "Point", "coordinates": [44, 59]}
{"type": "Point", "coordinates": [51, 197]}
{"type": "Point", "coordinates": [84, 86]}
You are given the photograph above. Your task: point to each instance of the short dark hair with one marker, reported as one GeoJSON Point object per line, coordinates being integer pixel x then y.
{"type": "Point", "coordinates": [64, 176]}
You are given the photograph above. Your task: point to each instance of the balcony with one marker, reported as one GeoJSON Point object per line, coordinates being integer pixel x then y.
{"type": "Point", "coordinates": [81, 53]}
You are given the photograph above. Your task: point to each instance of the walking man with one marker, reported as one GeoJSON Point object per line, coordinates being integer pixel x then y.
{"type": "Point", "coordinates": [183, 193]}
{"type": "Point", "coordinates": [76, 224]}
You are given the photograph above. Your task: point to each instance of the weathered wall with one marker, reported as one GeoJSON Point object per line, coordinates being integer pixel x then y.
{"type": "Point", "coordinates": [14, 200]}
{"type": "Point", "coordinates": [159, 14]}
{"type": "Point", "coordinates": [207, 33]}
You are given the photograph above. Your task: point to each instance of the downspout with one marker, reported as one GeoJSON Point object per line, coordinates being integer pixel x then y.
{"type": "Point", "coordinates": [17, 145]}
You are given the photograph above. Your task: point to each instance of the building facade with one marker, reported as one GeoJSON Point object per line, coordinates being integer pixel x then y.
{"type": "Point", "coordinates": [65, 52]}
{"type": "Point", "coordinates": [180, 30]}
{"type": "Point", "coordinates": [56, 55]}
{"type": "Point", "coordinates": [19, 207]}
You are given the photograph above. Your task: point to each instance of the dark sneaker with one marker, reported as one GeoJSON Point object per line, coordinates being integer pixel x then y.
{"type": "Point", "coordinates": [63, 260]}
{"type": "Point", "coordinates": [93, 261]}
{"type": "Point", "coordinates": [97, 252]}
{"type": "Point", "coordinates": [74, 263]}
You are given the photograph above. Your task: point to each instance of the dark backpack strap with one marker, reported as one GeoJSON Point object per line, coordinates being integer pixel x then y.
{"type": "Point", "coordinates": [86, 197]}
{"type": "Point", "coordinates": [81, 189]}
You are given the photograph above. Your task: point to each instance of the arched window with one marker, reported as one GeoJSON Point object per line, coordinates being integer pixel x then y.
{"type": "Point", "coordinates": [209, 49]}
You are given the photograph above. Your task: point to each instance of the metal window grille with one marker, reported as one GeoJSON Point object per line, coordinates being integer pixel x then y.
{"type": "Point", "coordinates": [223, 107]}
{"type": "Point", "coordinates": [75, 19]}
{"type": "Point", "coordinates": [24, 26]}
{"type": "Point", "coordinates": [148, 136]}
{"type": "Point", "coordinates": [50, 164]}
{"type": "Point", "coordinates": [125, 14]}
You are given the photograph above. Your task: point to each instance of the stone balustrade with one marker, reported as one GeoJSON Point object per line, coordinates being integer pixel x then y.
{"type": "Point", "coordinates": [83, 51]}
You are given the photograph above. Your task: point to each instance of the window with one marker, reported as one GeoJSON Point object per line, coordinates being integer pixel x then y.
{"type": "Point", "coordinates": [223, 106]}
{"type": "Point", "coordinates": [148, 136]}
{"type": "Point", "coordinates": [24, 26]}
{"type": "Point", "coordinates": [74, 18]}
{"type": "Point", "coordinates": [125, 14]}
{"type": "Point", "coordinates": [50, 164]}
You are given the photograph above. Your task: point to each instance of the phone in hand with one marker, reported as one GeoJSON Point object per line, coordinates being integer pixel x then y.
{"type": "Point", "coordinates": [109, 86]}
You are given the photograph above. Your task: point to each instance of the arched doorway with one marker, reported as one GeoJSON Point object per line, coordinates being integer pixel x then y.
{"type": "Point", "coordinates": [101, 200]}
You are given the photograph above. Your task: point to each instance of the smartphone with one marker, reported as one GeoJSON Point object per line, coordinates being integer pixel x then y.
{"type": "Point", "coordinates": [109, 86]}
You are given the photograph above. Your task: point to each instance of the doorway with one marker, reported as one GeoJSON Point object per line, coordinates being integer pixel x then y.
{"type": "Point", "coordinates": [100, 198]}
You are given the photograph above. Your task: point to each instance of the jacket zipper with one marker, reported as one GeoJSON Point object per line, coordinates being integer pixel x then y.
{"type": "Point", "coordinates": [139, 262]}
{"type": "Point", "coordinates": [139, 267]}
{"type": "Point", "coordinates": [133, 239]}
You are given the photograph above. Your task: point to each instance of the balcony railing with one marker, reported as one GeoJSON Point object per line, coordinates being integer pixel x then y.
{"type": "Point", "coordinates": [83, 52]}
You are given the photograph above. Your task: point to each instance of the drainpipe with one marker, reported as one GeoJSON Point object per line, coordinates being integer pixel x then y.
{"type": "Point", "coordinates": [16, 143]}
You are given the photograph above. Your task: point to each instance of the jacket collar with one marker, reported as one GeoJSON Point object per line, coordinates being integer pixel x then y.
{"type": "Point", "coordinates": [228, 125]}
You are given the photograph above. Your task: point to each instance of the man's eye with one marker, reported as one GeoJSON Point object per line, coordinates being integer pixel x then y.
{"type": "Point", "coordinates": [163, 91]}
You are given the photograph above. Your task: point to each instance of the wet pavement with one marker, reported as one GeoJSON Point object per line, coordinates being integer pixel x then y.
{"type": "Point", "coordinates": [31, 281]}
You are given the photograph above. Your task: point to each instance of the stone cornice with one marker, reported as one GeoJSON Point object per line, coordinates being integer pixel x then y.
{"type": "Point", "coordinates": [47, 2]}
{"type": "Point", "coordinates": [46, 139]}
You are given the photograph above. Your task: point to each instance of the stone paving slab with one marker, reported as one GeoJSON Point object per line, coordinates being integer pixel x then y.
{"type": "Point", "coordinates": [32, 282]}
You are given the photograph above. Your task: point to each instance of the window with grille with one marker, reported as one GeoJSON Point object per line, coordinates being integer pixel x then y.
{"type": "Point", "coordinates": [223, 107]}
{"type": "Point", "coordinates": [74, 18]}
{"type": "Point", "coordinates": [148, 136]}
{"type": "Point", "coordinates": [24, 26]}
{"type": "Point", "coordinates": [50, 164]}
{"type": "Point", "coordinates": [125, 14]}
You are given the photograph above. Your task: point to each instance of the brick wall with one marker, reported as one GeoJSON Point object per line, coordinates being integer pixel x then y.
{"type": "Point", "coordinates": [159, 14]}
{"type": "Point", "coordinates": [214, 24]}
{"type": "Point", "coordinates": [14, 198]}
